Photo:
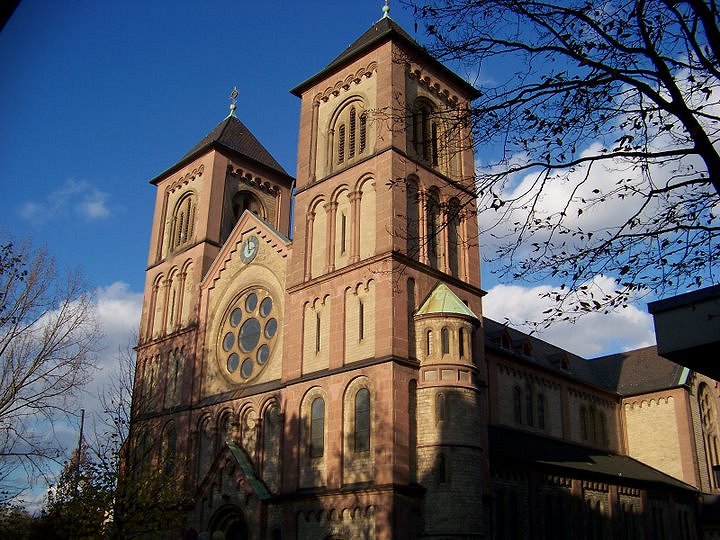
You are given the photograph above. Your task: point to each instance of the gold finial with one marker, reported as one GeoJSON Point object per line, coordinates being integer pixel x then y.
{"type": "Point", "coordinates": [233, 98]}
{"type": "Point", "coordinates": [386, 9]}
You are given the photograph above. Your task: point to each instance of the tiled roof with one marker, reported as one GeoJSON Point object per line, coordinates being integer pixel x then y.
{"type": "Point", "coordinates": [517, 446]}
{"type": "Point", "coordinates": [544, 354]}
{"type": "Point", "coordinates": [640, 371]}
{"type": "Point", "coordinates": [443, 301]}
{"type": "Point", "coordinates": [627, 373]}
{"type": "Point", "coordinates": [378, 33]}
{"type": "Point", "coordinates": [231, 134]}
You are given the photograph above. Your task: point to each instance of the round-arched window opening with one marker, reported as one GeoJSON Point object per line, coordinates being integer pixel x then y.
{"type": "Point", "coordinates": [248, 334]}
{"type": "Point", "coordinates": [244, 200]}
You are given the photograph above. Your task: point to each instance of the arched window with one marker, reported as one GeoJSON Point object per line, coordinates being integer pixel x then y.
{"type": "Point", "coordinates": [169, 445]}
{"type": "Point", "coordinates": [205, 448]}
{"type": "Point", "coordinates": [529, 405]}
{"type": "Point", "coordinates": [245, 200]}
{"type": "Point", "coordinates": [412, 196]}
{"type": "Point", "coordinates": [362, 420]}
{"type": "Point", "coordinates": [461, 342]}
{"type": "Point", "coordinates": [434, 226]}
{"type": "Point", "coordinates": [425, 132]}
{"type": "Point", "coordinates": [429, 343]}
{"type": "Point", "coordinates": [517, 405]}
{"type": "Point", "coordinates": [183, 222]}
{"type": "Point", "coordinates": [441, 469]}
{"type": "Point", "coordinates": [411, 311]}
{"type": "Point", "coordinates": [541, 411]}
{"type": "Point", "coordinates": [350, 131]}
{"type": "Point", "coordinates": [453, 231]}
{"type": "Point", "coordinates": [317, 428]}
{"type": "Point", "coordinates": [440, 408]}
{"type": "Point", "coordinates": [445, 340]}
{"type": "Point", "coordinates": [583, 423]}
{"type": "Point", "coordinates": [711, 437]}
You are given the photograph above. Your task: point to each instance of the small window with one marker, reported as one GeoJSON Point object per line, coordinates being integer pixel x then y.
{"type": "Point", "coordinates": [343, 232]}
{"type": "Point", "coordinates": [440, 408]}
{"type": "Point", "coordinates": [445, 340]}
{"type": "Point", "coordinates": [317, 332]}
{"type": "Point", "coordinates": [362, 420]}
{"type": "Point", "coordinates": [441, 469]}
{"type": "Point", "coordinates": [317, 428]}
{"type": "Point", "coordinates": [461, 342]}
{"type": "Point", "coordinates": [361, 320]}
{"type": "Point", "coordinates": [428, 343]}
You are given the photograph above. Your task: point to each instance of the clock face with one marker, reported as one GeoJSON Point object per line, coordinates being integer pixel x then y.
{"type": "Point", "coordinates": [249, 249]}
{"type": "Point", "coordinates": [248, 334]}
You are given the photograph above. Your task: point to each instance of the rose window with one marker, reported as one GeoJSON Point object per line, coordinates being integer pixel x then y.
{"type": "Point", "coordinates": [248, 334]}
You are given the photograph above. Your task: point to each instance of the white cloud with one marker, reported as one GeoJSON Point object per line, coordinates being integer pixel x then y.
{"type": "Point", "coordinates": [118, 312]}
{"type": "Point", "coordinates": [593, 334]}
{"type": "Point", "coordinates": [73, 198]}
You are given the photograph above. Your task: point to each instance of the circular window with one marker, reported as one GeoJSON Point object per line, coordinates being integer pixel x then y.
{"type": "Point", "coordinates": [248, 334]}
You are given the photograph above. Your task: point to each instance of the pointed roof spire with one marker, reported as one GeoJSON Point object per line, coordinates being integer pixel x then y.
{"type": "Point", "coordinates": [233, 100]}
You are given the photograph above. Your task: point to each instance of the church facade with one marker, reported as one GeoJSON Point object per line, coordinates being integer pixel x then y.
{"type": "Point", "coordinates": [313, 361]}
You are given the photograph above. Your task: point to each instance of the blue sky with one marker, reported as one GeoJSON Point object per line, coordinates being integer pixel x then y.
{"type": "Point", "coordinates": [98, 97]}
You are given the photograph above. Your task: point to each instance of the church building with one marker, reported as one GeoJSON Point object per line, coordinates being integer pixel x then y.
{"type": "Point", "coordinates": [313, 361]}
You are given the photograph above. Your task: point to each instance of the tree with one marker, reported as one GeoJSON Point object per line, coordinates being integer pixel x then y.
{"type": "Point", "coordinates": [48, 334]}
{"type": "Point", "coordinates": [599, 125]}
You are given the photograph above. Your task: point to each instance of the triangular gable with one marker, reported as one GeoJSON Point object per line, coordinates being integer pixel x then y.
{"type": "Point", "coordinates": [442, 301]}
{"type": "Point", "coordinates": [248, 223]}
{"type": "Point", "coordinates": [244, 473]}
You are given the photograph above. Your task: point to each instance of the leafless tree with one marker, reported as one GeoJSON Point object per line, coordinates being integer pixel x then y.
{"type": "Point", "coordinates": [598, 134]}
{"type": "Point", "coordinates": [48, 335]}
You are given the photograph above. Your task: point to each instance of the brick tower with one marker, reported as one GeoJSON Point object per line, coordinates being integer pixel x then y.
{"type": "Point", "coordinates": [329, 385]}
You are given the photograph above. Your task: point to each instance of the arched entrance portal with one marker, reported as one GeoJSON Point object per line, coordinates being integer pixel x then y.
{"type": "Point", "coordinates": [230, 521]}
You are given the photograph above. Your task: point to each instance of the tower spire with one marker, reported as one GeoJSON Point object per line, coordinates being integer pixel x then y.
{"type": "Point", "coordinates": [233, 98]}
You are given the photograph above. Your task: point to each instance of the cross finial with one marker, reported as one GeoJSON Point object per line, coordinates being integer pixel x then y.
{"type": "Point", "coordinates": [386, 9]}
{"type": "Point", "coordinates": [233, 98]}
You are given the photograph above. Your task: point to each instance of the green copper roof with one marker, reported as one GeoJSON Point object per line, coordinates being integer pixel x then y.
{"type": "Point", "coordinates": [442, 301]}
{"type": "Point", "coordinates": [242, 459]}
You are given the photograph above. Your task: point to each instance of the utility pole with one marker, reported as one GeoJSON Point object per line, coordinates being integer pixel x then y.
{"type": "Point", "coordinates": [78, 455]}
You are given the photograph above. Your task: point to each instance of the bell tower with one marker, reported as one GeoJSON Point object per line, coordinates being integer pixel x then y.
{"type": "Point", "coordinates": [385, 214]}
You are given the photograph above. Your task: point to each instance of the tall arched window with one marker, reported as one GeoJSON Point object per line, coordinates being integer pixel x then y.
{"type": "Point", "coordinates": [434, 226]}
{"type": "Point", "coordinates": [453, 232]}
{"type": "Point", "coordinates": [529, 405]}
{"type": "Point", "coordinates": [583, 423]}
{"type": "Point", "coordinates": [541, 410]}
{"type": "Point", "coordinates": [445, 340]}
{"type": "Point", "coordinates": [317, 428]}
{"type": "Point", "coordinates": [429, 343]}
{"type": "Point", "coordinates": [350, 134]}
{"type": "Point", "coordinates": [425, 132]}
{"type": "Point", "coordinates": [169, 445]}
{"type": "Point", "coordinates": [205, 448]}
{"type": "Point", "coordinates": [183, 221]}
{"type": "Point", "coordinates": [412, 196]}
{"type": "Point", "coordinates": [709, 421]}
{"type": "Point", "coordinates": [362, 420]}
{"type": "Point", "coordinates": [440, 408]}
{"type": "Point", "coordinates": [517, 405]}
